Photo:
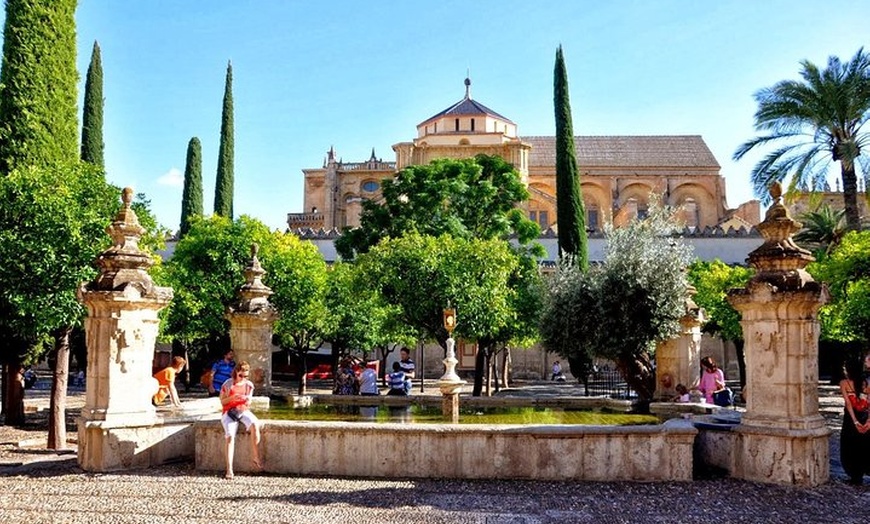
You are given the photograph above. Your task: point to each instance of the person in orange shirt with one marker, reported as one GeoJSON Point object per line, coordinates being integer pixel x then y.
{"type": "Point", "coordinates": [166, 383]}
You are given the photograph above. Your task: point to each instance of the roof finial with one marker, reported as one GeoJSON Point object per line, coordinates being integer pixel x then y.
{"type": "Point", "coordinates": [373, 158]}
{"type": "Point", "coordinates": [468, 86]}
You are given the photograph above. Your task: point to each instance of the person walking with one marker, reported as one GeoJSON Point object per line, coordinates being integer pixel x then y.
{"type": "Point", "coordinates": [221, 371]}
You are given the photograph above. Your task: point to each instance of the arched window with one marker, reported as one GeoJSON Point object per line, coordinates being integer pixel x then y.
{"type": "Point", "coordinates": [593, 217]}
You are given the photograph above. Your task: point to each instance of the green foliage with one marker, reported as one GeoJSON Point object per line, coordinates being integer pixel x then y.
{"type": "Point", "coordinates": [223, 194]}
{"type": "Point", "coordinates": [570, 214]}
{"type": "Point", "coordinates": [52, 227]}
{"type": "Point", "coordinates": [822, 229]}
{"type": "Point", "coordinates": [38, 112]}
{"type": "Point", "coordinates": [92, 116]}
{"type": "Point", "coordinates": [469, 198]}
{"type": "Point", "coordinates": [813, 122]}
{"type": "Point", "coordinates": [206, 271]}
{"type": "Point", "coordinates": [712, 281]}
{"type": "Point", "coordinates": [620, 309]}
{"type": "Point", "coordinates": [422, 274]}
{"type": "Point", "coordinates": [846, 317]}
{"type": "Point", "coordinates": [358, 317]}
{"type": "Point", "coordinates": [191, 199]}
{"type": "Point", "coordinates": [297, 275]}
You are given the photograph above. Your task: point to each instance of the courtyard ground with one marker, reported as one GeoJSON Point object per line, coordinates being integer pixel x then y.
{"type": "Point", "coordinates": [38, 485]}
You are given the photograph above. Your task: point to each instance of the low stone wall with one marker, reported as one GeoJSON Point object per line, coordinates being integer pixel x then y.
{"type": "Point", "coordinates": [546, 452]}
{"type": "Point", "coordinates": [167, 437]}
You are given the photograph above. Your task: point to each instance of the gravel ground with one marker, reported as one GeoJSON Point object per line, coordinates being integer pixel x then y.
{"type": "Point", "coordinates": [47, 486]}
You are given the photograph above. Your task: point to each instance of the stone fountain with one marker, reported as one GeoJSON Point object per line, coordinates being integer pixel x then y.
{"type": "Point", "coordinates": [450, 384]}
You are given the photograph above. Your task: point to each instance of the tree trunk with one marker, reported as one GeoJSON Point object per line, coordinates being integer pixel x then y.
{"type": "Point", "coordinates": [505, 368]}
{"type": "Point", "coordinates": [479, 362]}
{"type": "Point", "coordinates": [57, 412]}
{"type": "Point", "coordinates": [303, 370]}
{"type": "Point", "coordinates": [850, 195]}
{"type": "Point", "coordinates": [741, 362]}
{"type": "Point", "coordinates": [637, 372]}
{"type": "Point", "coordinates": [488, 379]}
{"type": "Point", "coordinates": [495, 374]}
{"type": "Point", "coordinates": [13, 393]}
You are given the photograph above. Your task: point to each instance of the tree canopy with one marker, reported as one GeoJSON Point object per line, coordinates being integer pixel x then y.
{"type": "Point", "coordinates": [38, 93]}
{"type": "Point", "coordinates": [223, 193]}
{"type": "Point", "coordinates": [191, 197]}
{"type": "Point", "coordinates": [92, 116]}
{"type": "Point", "coordinates": [421, 275]}
{"type": "Point", "coordinates": [846, 270]}
{"type": "Point", "coordinates": [620, 309]}
{"type": "Point", "coordinates": [570, 213]}
{"type": "Point", "coordinates": [469, 198]}
{"type": "Point", "coordinates": [813, 122]}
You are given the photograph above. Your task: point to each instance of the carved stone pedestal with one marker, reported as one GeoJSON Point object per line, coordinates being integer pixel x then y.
{"type": "Point", "coordinates": [782, 437]}
{"type": "Point", "coordinates": [121, 328]}
{"type": "Point", "coordinates": [679, 359]}
{"type": "Point", "coordinates": [251, 319]}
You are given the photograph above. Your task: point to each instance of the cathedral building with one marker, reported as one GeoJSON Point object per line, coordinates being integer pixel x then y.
{"type": "Point", "coordinates": [619, 175]}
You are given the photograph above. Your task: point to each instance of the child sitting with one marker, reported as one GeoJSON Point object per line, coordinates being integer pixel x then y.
{"type": "Point", "coordinates": [396, 381]}
{"type": "Point", "coordinates": [682, 394]}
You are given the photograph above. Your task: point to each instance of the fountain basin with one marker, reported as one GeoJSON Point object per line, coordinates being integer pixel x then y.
{"type": "Point", "coordinates": [661, 452]}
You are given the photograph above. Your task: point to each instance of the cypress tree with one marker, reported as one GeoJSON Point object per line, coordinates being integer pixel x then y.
{"type": "Point", "coordinates": [38, 94]}
{"type": "Point", "coordinates": [92, 117]}
{"type": "Point", "coordinates": [191, 200]}
{"type": "Point", "coordinates": [223, 192]}
{"type": "Point", "coordinates": [570, 214]}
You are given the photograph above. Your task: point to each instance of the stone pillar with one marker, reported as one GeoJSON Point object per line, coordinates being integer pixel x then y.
{"type": "Point", "coordinates": [121, 326]}
{"type": "Point", "coordinates": [678, 360]}
{"type": "Point", "coordinates": [782, 437]}
{"type": "Point", "coordinates": [251, 319]}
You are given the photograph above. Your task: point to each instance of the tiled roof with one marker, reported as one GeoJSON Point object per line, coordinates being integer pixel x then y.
{"type": "Point", "coordinates": [627, 151]}
{"type": "Point", "coordinates": [467, 106]}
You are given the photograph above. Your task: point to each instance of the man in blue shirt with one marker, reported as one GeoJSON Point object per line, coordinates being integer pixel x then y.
{"type": "Point", "coordinates": [221, 371]}
{"type": "Point", "coordinates": [408, 367]}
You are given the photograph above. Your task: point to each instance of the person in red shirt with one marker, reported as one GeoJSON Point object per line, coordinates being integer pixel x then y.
{"type": "Point", "coordinates": [236, 394]}
{"type": "Point", "coordinates": [166, 383]}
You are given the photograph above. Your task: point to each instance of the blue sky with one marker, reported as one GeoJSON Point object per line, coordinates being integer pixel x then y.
{"type": "Point", "coordinates": [362, 74]}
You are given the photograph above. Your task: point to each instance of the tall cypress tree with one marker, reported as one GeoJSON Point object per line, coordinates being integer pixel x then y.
{"type": "Point", "coordinates": [38, 94]}
{"type": "Point", "coordinates": [223, 192]}
{"type": "Point", "coordinates": [570, 214]}
{"type": "Point", "coordinates": [191, 200]}
{"type": "Point", "coordinates": [92, 117]}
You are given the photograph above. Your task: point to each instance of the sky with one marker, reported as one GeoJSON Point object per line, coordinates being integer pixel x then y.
{"type": "Point", "coordinates": [359, 75]}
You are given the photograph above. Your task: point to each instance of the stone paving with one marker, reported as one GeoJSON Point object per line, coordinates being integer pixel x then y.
{"type": "Point", "coordinates": [47, 486]}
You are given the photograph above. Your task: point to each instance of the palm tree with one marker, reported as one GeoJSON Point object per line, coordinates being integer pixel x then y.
{"type": "Point", "coordinates": [817, 120]}
{"type": "Point", "coordinates": [823, 228]}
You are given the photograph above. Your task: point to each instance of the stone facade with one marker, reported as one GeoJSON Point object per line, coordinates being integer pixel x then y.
{"type": "Point", "coordinates": [619, 174]}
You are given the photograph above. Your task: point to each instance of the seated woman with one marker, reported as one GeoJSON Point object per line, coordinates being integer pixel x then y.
{"type": "Point", "coordinates": [236, 395]}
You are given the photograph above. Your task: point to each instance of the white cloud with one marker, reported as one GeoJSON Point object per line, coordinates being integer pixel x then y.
{"type": "Point", "coordinates": [173, 177]}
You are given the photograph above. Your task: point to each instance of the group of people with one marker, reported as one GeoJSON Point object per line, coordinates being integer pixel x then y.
{"type": "Point", "coordinates": [855, 433]}
{"type": "Point", "coordinates": [227, 380]}
{"type": "Point", "coordinates": [711, 386]}
{"type": "Point", "coordinates": [347, 382]}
